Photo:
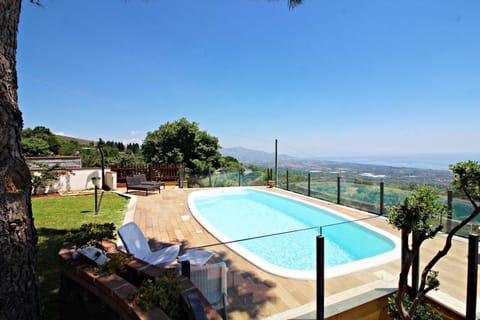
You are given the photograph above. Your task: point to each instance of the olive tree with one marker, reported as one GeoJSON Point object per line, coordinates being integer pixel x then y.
{"type": "Point", "coordinates": [418, 218]}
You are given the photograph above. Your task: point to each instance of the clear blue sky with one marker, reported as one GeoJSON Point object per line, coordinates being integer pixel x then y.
{"type": "Point", "coordinates": [329, 78]}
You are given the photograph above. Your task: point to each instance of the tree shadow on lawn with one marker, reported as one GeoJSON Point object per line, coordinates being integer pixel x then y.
{"type": "Point", "coordinates": [49, 243]}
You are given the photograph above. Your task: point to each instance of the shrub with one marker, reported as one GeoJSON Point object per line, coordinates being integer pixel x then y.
{"type": "Point", "coordinates": [117, 264]}
{"type": "Point", "coordinates": [47, 175]}
{"type": "Point", "coordinates": [89, 234]}
{"type": "Point", "coordinates": [164, 292]}
{"type": "Point", "coordinates": [423, 312]}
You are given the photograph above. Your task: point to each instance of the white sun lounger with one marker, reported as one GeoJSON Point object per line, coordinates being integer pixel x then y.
{"type": "Point", "coordinates": [136, 244]}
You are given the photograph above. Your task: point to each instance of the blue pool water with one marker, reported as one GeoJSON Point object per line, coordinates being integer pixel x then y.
{"type": "Point", "coordinates": [240, 213]}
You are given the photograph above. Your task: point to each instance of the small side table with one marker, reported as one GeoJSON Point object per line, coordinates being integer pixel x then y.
{"type": "Point", "coordinates": [196, 257]}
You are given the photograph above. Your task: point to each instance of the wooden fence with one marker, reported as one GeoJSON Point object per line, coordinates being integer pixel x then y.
{"type": "Point", "coordinates": [155, 172]}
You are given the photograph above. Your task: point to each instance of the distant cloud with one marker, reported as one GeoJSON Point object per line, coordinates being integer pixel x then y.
{"type": "Point", "coordinates": [134, 137]}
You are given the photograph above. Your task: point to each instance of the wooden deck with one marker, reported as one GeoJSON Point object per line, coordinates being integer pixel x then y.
{"type": "Point", "coordinates": [255, 294]}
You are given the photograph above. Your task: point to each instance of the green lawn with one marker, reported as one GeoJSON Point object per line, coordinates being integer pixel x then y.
{"type": "Point", "coordinates": [53, 218]}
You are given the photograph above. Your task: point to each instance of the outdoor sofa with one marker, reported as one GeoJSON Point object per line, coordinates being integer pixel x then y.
{"type": "Point", "coordinates": [135, 183]}
{"type": "Point", "coordinates": [143, 180]}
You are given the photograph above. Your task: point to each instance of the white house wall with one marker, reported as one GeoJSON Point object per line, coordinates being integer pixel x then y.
{"type": "Point", "coordinates": [81, 179]}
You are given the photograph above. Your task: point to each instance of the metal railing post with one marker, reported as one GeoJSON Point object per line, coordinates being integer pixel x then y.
{"type": "Point", "coordinates": [287, 181]}
{"type": "Point", "coordinates": [308, 191]}
{"type": "Point", "coordinates": [382, 204]}
{"type": "Point", "coordinates": [276, 162]}
{"type": "Point", "coordinates": [320, 277]}
{"type": "Point", "coordinates": [449, 210]}
{"type": "Point", "coordinates": [209, 178]}
{"type": "Point", "coordinates": [338, 190]}
{"type": "Point", "coordinates": [472, 278]}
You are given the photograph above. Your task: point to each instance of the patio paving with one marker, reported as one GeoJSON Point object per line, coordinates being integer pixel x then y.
{"type": "Point", "coordinates": [255, 294]}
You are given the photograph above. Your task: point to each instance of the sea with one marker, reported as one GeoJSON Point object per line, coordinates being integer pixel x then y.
{"type": "Point", "coordinates": [421, 161]}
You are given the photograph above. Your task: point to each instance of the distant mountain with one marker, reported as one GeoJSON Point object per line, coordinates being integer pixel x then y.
{"type": "Point", "coordinates": [267, 159]}
{"type": "Point", "coordinates": [255, 157]}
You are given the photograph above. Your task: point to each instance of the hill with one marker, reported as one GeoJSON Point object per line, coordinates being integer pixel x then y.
{"type": "Point", "coordinates": [82, 142]}
{"type": "Point", "coordinates": [255, 157]}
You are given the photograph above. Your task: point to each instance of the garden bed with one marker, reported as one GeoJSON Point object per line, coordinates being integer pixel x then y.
{"type": "Point", "coordinates": [86, 294]}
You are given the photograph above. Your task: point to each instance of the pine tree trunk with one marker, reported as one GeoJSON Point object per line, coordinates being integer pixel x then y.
{"type": "Point", "coordinates": [19, 294]}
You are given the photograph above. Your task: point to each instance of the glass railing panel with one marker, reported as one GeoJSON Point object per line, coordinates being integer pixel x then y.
{"type": "Point", "coordinates": [360, 194]}
{"type": "Point", "coordinates": [323, 186]}
{"type": "Point", "coordinates": [275, 274]}
{"type": "Point", "coordinates": [282, 180]}
{"type": "Point", "coordinates": [469, 228]}
{"type": "Point", "coordinates": [253, 178]}
{"type": "Point", "coordinates": [461, 208]}
{"type": "Point", "coordinates": [298, 183]}
{"type": "Point", "coordinates": [227, 178]}
{"type": "Point", "coordinates": [392, 195]}
{"type": "Point", "coordinates": [341, 248]}
{"type": "Point", "coordinates": [259, 282]}
{"type": "Point", "coordinates": [199, 181]}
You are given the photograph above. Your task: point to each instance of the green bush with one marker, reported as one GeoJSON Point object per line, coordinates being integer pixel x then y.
{"type": "Point", "coordinates": [423, 312]}
{"type": "Point", "coordinates": [164, 292]}
{"type": "Point", "coordinates": [117, 264]}
{"type": "Point", "coordinates": [90, 233]}
{"type": "Point", "coordinates": [47, 175]}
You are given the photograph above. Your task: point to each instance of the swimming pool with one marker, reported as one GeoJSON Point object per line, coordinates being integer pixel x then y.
{"type": "Point", "coordinates": [241, 213]}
